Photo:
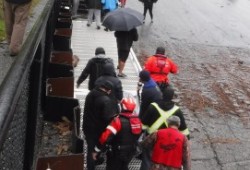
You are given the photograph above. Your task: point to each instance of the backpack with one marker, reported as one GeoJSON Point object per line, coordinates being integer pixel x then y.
{"type": "Point", "coordinates": [135, 123]}
{"type": "Point", "coordinates": [99, 63]}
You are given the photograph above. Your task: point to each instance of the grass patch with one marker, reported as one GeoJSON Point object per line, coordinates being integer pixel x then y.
{"type": "Point", "coordinates": [2, 30]}
{"type": "Point", "coordinates": [2, 27]}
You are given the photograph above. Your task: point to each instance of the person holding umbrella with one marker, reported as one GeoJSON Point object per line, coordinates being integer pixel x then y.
{"type": "Point", "coordinates": [124, 41]}
{"type": "Point", "coordinates": [124, 22]}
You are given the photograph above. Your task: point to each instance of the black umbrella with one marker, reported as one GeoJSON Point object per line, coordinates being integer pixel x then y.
{"type": "Point", "coordinates": [122, 19]}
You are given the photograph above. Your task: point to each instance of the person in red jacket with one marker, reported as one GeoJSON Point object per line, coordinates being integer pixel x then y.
{"type": "Point", "coordinates": [170, 147]}
{"type": "Point", "coordinates": [159, 66]}
{"type": "Point", "coordinates": [122, 135]}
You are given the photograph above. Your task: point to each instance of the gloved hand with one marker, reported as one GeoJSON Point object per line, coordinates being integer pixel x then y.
{"type": "Point", "coordinates": [139, 85]}
{"type": "Point", "coordinates": [98, 157]}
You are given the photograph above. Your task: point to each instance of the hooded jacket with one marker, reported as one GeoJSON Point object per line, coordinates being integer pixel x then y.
{"type": "Point", "coordinates": [150, 93]}
{"type": "Point", "coordinates": [99, 109]}
{"type": "Point", "coordinates": [109, 74]}
{"type": "Point", "coordinates": [93, 69]}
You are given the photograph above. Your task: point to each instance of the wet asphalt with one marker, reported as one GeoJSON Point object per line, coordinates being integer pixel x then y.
{"type": "Point", "coordinates": [210, 42]}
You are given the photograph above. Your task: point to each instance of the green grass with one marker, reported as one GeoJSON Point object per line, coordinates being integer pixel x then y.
{"type": "Point", "coordinates": [2, 27]}
{"type": "Point", "coordinates": [2, 30]}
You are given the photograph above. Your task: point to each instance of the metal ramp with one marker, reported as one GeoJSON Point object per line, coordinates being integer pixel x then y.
{"type": "Point", "coordinates": [83, 43]}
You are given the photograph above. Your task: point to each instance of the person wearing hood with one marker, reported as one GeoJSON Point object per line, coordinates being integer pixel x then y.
{"type": "Point", "coordinates": [156, 117]}
{"type": "Point", "coordinates": [150, 91]}
{"type": "Point", "coordinates": [108, 73]}
{"type": "Point", "coordinates": [159, 66]}
{"type": "Point", "coordinates": [99, 110]}
{"type": "Point", "coordinates": [94, 68]}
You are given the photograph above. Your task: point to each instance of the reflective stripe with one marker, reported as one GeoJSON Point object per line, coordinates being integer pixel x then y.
{"type": "Point", "coordinates": [185, 132]}
{"type": "Point", "coordinates": [144, 127]}
{"type": "Point", "coordinates": [97, 149]}
{"type": "Point", "coordinates": [112, 129]}
{"type": "Point", "coordinates": [164, 115]}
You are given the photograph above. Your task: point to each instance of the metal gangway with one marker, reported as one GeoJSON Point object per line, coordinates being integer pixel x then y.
{"type": "Point", "coordinates": [84, 41]}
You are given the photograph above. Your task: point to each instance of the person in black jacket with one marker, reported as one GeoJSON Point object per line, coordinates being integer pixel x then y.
{"type": "Point", "coordinates": [94, 68]}
{"type": "Point", "coordinates": [156, 117]}
{"type": "Point", "coordinates": [99, 109]}
{"type": "Point", "coordinates": [124, 41]}
{"type": "Point", "coordinates": [148, 6]}
{"type": "Point", "coordinates": [150, 91]}
{"type": "Point", "coordinates": [94, 9]}
{"type": "Point", "coordinates": [108, 73]}
{"type": "Point", "coordinates": [16, 14]}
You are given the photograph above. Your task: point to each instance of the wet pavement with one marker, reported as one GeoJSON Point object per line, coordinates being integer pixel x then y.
{"type": "Point", "coordinates": [210, 42]}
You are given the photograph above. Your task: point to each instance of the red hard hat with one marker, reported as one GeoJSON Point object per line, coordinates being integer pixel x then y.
{"type": "Point", "coordinates": [128, 104]}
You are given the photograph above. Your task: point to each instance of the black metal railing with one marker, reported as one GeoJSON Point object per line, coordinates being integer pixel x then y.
{"type": "Point", "coordinates": [22, 94]}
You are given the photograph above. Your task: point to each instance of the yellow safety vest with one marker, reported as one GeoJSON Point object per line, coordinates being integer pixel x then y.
{"type": "Point", "coordinates": [164, 115]}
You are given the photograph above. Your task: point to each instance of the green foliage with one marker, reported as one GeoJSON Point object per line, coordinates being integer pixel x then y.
{"type": "Point", "coordinates": [2, 28]}
{"type": "Point", "coordinates": [1, 10]}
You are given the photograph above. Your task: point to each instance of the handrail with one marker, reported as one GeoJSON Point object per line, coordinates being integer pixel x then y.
{"type": "Point", "coordinates": [135, 61]}
{"type": "Point", "coordinates": [11, 86]}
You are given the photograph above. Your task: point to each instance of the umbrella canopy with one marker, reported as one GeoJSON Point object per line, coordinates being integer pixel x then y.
{"type": "Point", "coordinates": [122, 19]}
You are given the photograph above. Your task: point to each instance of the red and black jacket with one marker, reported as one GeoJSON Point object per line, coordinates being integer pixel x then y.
{"type": "Point", "coordinates": [124, 130]}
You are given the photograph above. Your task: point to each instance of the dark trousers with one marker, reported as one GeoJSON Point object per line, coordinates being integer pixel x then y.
{"type": "Point", "coordinates": [146, 159]}
{"type": "Point", "coordinates": [163, 86]}
{"type": "Point", "coordinates": [119, 160]}
{"type": "Point", "coordinates": [91, 142]}
{"type": "Point", "coordinates": [150, 8]}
